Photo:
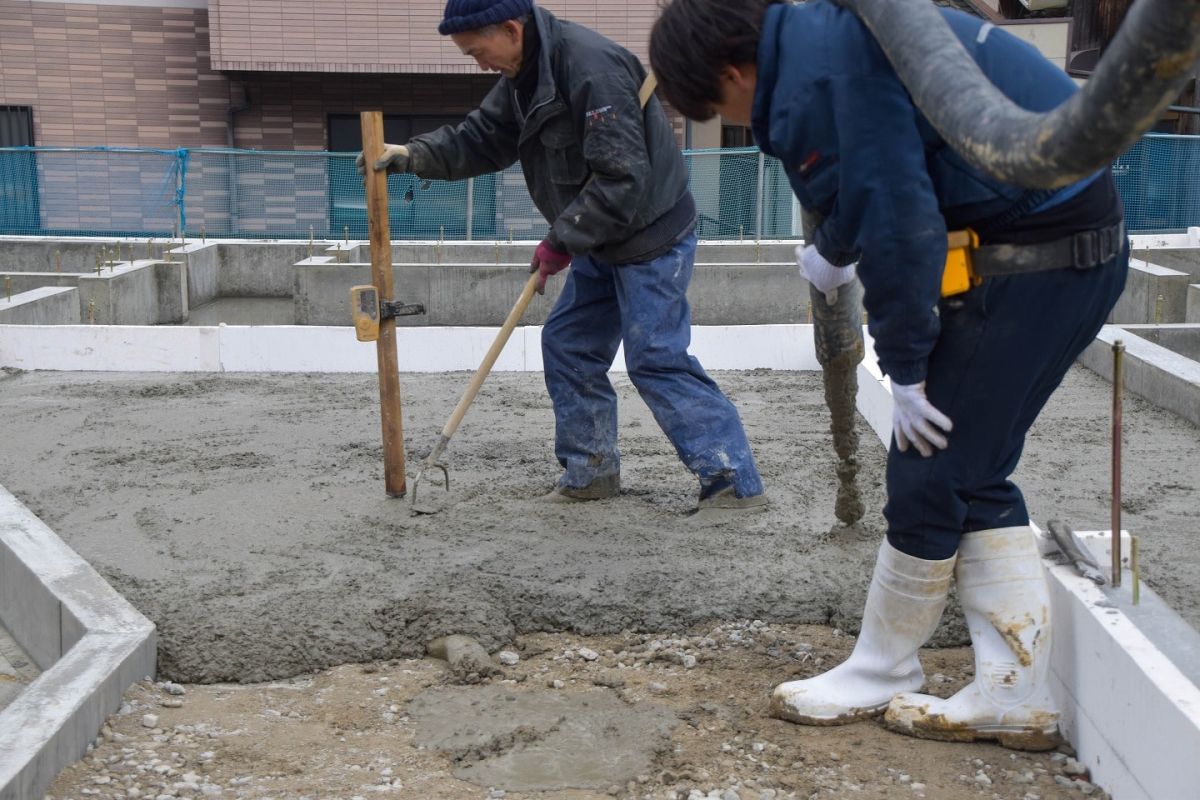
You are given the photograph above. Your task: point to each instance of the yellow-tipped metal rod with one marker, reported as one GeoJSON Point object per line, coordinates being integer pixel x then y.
{"type": "Point", "coordinates": [1118, 349]}
{"type": "Point", "coordinates": [1135, 568]}
{"type": "Point", "coordinates": [489, 360]}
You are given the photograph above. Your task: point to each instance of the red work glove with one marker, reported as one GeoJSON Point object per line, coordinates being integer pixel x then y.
{"type": "Point", "coordinates": [548, 261]}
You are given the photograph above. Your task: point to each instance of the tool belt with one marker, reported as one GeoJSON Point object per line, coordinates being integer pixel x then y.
{"type": "Point", "coordinates": [968, 262]}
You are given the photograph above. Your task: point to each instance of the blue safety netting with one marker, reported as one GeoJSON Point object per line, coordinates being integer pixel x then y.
{"type": "Point", "coordinates": [740, 194]}
{"type": "Point", "coordinates": [1159, 182]}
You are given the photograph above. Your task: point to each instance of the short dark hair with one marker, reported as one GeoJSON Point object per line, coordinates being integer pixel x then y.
{"type": "Point", "coordinates": [694, 39]}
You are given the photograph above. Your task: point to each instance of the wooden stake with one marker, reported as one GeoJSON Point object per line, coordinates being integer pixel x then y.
{"type": "Point", "coordinates": [381, 276]}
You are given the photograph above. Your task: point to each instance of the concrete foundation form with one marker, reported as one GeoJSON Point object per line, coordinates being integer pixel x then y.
{"type": "Point", "coordinates": [88, 641]}
{"type": "Point", "coordinates": [472, 283]}
{"type": "Point", "coordinates": [1168, 376]}
{"type": "Point", "coordinates": [46, 305]}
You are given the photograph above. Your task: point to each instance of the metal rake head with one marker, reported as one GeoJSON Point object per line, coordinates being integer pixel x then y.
{"type": "Point", "coordinates": [416, 485]}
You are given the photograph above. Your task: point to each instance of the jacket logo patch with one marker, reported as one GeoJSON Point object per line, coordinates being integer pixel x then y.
{"type": "Point", "coordinates": [597, 115]}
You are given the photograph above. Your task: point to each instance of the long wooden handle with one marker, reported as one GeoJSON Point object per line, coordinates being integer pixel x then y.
{"type": "Point", "coordinates": [514, 316]}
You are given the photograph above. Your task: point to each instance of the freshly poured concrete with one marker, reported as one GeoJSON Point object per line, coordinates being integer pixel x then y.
{"type": "Point", "coordinates": [246, 515]}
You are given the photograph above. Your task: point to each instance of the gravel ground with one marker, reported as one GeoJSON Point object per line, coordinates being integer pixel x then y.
{"type": "Point", "coordinates": [677, 716]}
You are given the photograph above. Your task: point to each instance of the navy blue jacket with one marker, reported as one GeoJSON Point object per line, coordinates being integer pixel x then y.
{"type": "Point", "coordinates": [858, 152]}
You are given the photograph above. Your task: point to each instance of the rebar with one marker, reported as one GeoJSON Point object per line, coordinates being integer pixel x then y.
{"type": "Point", "coordinates": [1135, 569]}
{"type": "Point", "coordinates": [1118, 349]}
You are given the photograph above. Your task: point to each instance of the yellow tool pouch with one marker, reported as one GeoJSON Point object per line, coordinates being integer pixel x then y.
{"type": "Point", "coordinates": [959, 277]}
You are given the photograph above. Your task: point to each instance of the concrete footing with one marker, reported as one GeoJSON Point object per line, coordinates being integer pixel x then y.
{"type": "Point", "coordinates": [1153, 294]}
{"type": "Point", "coordinates": [1163, 376]}
{"type": "Point", "coordinates": [1125, 677]}
{"type": "Point", "coordinates": [47, 305]}
{"type": "Point", "coordinates": [90, 644]}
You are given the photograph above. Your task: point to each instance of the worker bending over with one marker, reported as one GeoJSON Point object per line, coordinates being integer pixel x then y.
{"type": "Point", "coordinates": [970, 367]}
{"type": "Point", "coordinates": [610, 180]}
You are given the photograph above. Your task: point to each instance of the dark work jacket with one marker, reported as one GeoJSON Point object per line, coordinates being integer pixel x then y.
{"type": "Point", "coordinates": [584, 120]}
{"type": "Point", "coordinates": [857, 151]}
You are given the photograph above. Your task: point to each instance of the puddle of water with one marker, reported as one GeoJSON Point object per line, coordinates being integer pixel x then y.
{"type": "Point", "coordinates": [539, 740]}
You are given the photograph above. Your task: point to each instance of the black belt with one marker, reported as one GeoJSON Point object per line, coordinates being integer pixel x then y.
{"type": "Point", "coordinates": [1083, 250]}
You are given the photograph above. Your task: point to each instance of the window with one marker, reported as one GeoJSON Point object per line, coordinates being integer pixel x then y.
{"type": "Point", "coordinates": [736, 136]}
{"type": "Point", "coordinates": [19, 204]}
{"type": "Point", "coordinates": [16, 126]}
{"type": "Point", "coordinates": [345, 130]}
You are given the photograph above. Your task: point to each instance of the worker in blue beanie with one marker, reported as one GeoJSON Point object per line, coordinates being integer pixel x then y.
{"type": "Point", "coordinates": [610, 180]}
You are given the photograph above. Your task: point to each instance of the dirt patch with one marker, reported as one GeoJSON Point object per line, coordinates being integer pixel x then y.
{"type": "Point", "coordinates": [668, 727]}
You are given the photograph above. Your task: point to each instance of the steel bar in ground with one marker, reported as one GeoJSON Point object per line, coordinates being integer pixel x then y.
{"type": "Point", "coordinates": [1118, 349]}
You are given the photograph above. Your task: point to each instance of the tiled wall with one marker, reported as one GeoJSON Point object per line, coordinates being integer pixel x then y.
{"type": "Point", "coordinates": [112, 75]}
{"type": "Point", "coordinates": [385, 36]}
{"type": "Point", "coordinates": [140, 76]}
{"type": "Point", "coordinates": [288, 111]}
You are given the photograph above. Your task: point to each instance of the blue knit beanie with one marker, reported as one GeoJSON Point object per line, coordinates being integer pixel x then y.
{"type": "Point", "coordinates": [471, 15]}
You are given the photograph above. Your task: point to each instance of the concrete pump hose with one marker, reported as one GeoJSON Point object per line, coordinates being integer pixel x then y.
{"type": "Point", "coordinates": [1142, 72]}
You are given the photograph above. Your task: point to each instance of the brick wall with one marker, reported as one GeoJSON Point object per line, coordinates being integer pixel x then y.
{"type": "Point", "coordinates": [289, 111]}
{"type": "Point", "coordinates": [114, 75]}
{"type": "Point", "coordinates": [371, 36]}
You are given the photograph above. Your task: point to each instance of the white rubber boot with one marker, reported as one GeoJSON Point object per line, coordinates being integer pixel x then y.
{"type": "Point", "coordinates": [1007, 605]}
{"type": "Point", "coordinates": [904, 603]}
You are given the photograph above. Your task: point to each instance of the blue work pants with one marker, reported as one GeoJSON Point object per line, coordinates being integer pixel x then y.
{"type": "Point", "coordinates": [645, 306]}
{"type": "Point", "coordinates": [1004, 348]}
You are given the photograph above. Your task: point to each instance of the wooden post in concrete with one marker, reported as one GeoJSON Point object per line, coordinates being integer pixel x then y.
{"type": "Point", "coordinates": [381, 276]}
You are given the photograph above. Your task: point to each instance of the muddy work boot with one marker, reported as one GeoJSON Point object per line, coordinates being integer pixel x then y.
{"type": "Point", "coordinates": [723, 505]}
{"type": "Point", "coordinates": [600, 489]}
{"type": "Point", "coordinates": [904, 603]}
{"type": "Point", "coordinates": [1007, 607]}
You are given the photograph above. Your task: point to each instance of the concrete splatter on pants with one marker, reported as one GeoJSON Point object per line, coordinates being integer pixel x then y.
{"type": "Point", "coordinates": [1003, 350]}
{"type": "Point", "coordinates": [645, 305]}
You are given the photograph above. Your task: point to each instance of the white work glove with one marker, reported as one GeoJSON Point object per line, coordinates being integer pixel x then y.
{"type": "Point", "coordinates": [825, 277]}
{"type": "Point", "coordinates": [915, 421]}
{"type": "Point", "coordinates": [394, 160]}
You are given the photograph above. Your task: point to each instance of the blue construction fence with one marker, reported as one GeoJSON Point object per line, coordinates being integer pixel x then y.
{"type": "Point", "coordinates": [740, 193]}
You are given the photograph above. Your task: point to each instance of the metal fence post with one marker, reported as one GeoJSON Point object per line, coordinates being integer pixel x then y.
{"type": "Point", "coordinates": [758, 221]}
{"type": "Point", "coordinates": [470, 208]}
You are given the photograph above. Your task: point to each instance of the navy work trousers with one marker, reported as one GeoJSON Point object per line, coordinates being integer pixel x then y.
{"type": "Point", "coordinates": [1004, 348]}
{"type": "Point", "coordinates": [645, 305]}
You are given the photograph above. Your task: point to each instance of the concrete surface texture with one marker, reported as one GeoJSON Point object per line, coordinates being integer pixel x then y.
{"type": "Point", "coordinates": [47, 305]}
{"type": "Point", "coordinates": [246, 515]}
{"type": "Point", "coordinates": [1183, 259]}
{"type": "Point", "coordinates": [1153, 294]}
{"type": "Point", "coordinates": [17, 669]}
{"type": "Point", "coordinates": [483, 294]}
{"type": "Point", "coordinates": [1170, 379]}
{"type": "Point", "coordinates": [1181, 339]}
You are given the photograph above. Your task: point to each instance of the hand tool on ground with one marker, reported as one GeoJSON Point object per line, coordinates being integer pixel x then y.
{"type": "Point", "coordinates": [510, 322]}
{"type": "Point", "coordinates": [1076, 552]}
